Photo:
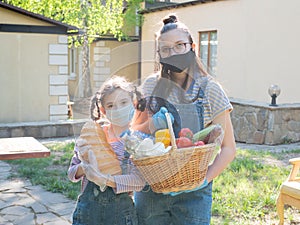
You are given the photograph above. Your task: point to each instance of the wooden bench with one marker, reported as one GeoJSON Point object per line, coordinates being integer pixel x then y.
{"type": "Point", "coordinates": [289, 192]}
{"type": "Point", "coordinates": [22, 147]}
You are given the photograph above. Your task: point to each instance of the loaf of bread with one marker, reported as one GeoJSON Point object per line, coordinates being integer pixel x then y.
{"type": "Point", "coordinates": [105, 156]}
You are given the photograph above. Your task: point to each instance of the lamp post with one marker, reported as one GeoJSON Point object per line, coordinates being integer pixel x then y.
{"type": "Point", "coordinates": [274, 92]}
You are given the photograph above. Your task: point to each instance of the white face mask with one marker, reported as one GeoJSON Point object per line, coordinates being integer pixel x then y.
{"type": "Point", "coordinates": [120, 117]}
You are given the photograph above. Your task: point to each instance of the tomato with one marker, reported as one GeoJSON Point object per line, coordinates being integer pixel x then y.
{"type": "Point", "coordinates": [186, 132]}
{"type": "Point", "coordinates": [183, 142]}
{"type": "Point", "coordinates": [199, 143]}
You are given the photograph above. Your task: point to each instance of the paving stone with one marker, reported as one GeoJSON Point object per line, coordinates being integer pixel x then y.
{"type": "Point", "coordinates": [63, 208]}
{"type": "Point", "coordinates": [4, 185]}
{"type": "Point", "coordinates": [10, 217]}
{"type": "Point", "coordinates": [24, 204]}
{"type": "Point", "coordinates": [27, 219]}
{"type": "Point", "coordinates": [38, 208]}
{"type": "Point", "coordinates": [15, 210]}
{"type": "Point", "coordinates": [57, 222]}
{"type": "Point", "coordinates": [4, 221]}
{"type": "Point", "coordinates": [25, 200]}
{"type": "Point", "coordinates": [42, 218]}
{"type": "Point", "coordinates": [68, 218]}
{"type": "Point", "coordinates": [16, 190]}
{"type": "Point", "coordinates": [16, 187]}
{"type": "Point", "coordinates": [48, 199]}
{"type": "Point", "coordinates": [3, 204]}
{"type": "Point", "coordinates": [9, 197]}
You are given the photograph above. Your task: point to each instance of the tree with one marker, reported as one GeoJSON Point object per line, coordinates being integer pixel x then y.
{"type": "Point", "coordinates": [94, 18]}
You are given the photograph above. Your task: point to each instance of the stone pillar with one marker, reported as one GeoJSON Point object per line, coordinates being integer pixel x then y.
{"type": "Point", "coordinates": [58, 83]}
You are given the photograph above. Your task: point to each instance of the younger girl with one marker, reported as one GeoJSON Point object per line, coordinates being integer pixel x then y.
{"type": "Point", "coordinates": [114, 205]}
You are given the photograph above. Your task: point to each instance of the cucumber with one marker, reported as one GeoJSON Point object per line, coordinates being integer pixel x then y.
{"type": "Point", "coordinates": [200, 135]}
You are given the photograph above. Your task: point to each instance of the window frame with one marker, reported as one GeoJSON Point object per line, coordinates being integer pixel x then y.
{"type": "Point", "coordinates": [208, 62]}
{"type": "Point", "coordinates": [73, 62]}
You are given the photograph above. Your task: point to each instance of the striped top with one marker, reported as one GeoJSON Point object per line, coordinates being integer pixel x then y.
{"type": "Point", "coordinates": [130, 180]}
{"type": "Point", "coordinates": [215, 100]}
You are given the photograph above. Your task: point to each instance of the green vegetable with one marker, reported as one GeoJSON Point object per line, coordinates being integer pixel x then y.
{"type": "Point", "coordinates": [201, 135]}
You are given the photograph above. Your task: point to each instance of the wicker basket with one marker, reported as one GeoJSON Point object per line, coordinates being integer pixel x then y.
{"type": "Point", "coordinates": [178, 170]}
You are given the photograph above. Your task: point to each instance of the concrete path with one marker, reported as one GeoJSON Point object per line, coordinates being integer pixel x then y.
{"type": "Point", "coordinates": [21, 203]}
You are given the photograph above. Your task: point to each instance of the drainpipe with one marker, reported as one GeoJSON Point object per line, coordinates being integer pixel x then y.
{"type": "Point", "coordinates": [139, 30]}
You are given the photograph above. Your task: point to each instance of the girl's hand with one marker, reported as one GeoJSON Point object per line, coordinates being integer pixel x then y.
{"type": "Point", "coordinates": [94, 176]}
{"type": "Point", "coordinates": [82, 147]}
{"type": "Point", "coordinates": [92, 172]}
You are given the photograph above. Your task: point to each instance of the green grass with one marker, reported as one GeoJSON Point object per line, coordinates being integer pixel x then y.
{"type": "Point", "coordinates": [245, 193]}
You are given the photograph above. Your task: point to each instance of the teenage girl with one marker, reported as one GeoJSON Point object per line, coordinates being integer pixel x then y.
{"type": "Point", "coordinates": [200, 101]}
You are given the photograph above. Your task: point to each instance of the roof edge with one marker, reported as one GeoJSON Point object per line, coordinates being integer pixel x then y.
{"type": "Point", "coordinates": [36, 16]}
{"type": "Point", "coordinates": [179, 5]}
{"type": "Point", "coordinates": [108, 37]}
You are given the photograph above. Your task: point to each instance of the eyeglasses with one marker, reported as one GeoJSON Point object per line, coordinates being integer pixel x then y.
{"type": "Point", "coordinates": [179, 48]}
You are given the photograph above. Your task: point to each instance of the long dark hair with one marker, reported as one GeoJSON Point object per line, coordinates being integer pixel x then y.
{"type": "Point", "coordinates": [171, 23]}
{"type": "Point", "coordinates": [165, 83]}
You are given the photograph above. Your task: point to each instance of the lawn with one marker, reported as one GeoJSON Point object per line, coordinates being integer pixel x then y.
{"type": "Point", "coordinates": [245, 193]}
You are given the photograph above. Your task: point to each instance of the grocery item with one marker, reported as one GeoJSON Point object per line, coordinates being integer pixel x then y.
{"type": "Point", "coordinates": [186, 132]}
{"type": "Point", "coordinates": [181, 169]}
{"type": "Point", "coordinates": [148, 148]}
{"type": "Point", "coordinates": [105, 156]}
{"type": "Point", "coordinates": [183, 142]}
{"type": "Point", "coordinates": [163, 136]}
{"type": "Point", "coordinates": [202, 134]}
{"type": "Point", "coordinates": [199, 143]}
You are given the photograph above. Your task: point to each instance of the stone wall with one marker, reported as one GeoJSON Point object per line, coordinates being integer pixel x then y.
{"type": "Point", "coordinates": [46, 129]}
{"type": "Point", "coordinates": [253, 123]}
{"type": "Point", "coordinates": [260, 123]}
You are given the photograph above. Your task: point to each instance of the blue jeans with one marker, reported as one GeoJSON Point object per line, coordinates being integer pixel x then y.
{"type": "Point", "coordinates": [193, 208]}
{"type": "Point", "coordinates": [102, 208]}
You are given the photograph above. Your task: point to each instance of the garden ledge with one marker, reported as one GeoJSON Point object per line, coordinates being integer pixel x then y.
{"type": "Point", "coordinates": [260, 123]}
{"type": "Point", "coordinates": [43, 129]}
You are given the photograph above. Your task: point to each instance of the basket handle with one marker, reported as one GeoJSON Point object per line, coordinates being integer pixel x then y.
{"type": "Point", "coordinates": [170, 127]}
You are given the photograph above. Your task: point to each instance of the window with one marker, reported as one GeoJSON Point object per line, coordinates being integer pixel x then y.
{"type": "Point", "coordinates": [208, 50]}
{"type": "Point", "coordinates": [73, 62]}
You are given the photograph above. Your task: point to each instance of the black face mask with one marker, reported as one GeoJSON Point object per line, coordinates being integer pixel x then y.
{"type": "Point", "coordinates": [178, 63]}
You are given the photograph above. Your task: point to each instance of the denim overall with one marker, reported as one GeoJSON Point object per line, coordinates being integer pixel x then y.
{"type": "Point", "coordinates": [105, 208]}
{"type": "Point", "coordinates": [193, 208]}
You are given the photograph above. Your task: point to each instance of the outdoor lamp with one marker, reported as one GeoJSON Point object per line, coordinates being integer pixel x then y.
{"type": "Point", "coordinates": [274, 91]}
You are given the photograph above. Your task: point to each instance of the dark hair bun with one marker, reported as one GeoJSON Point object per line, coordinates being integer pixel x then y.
{"type": "Point", "coordinates": [170, 19]}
